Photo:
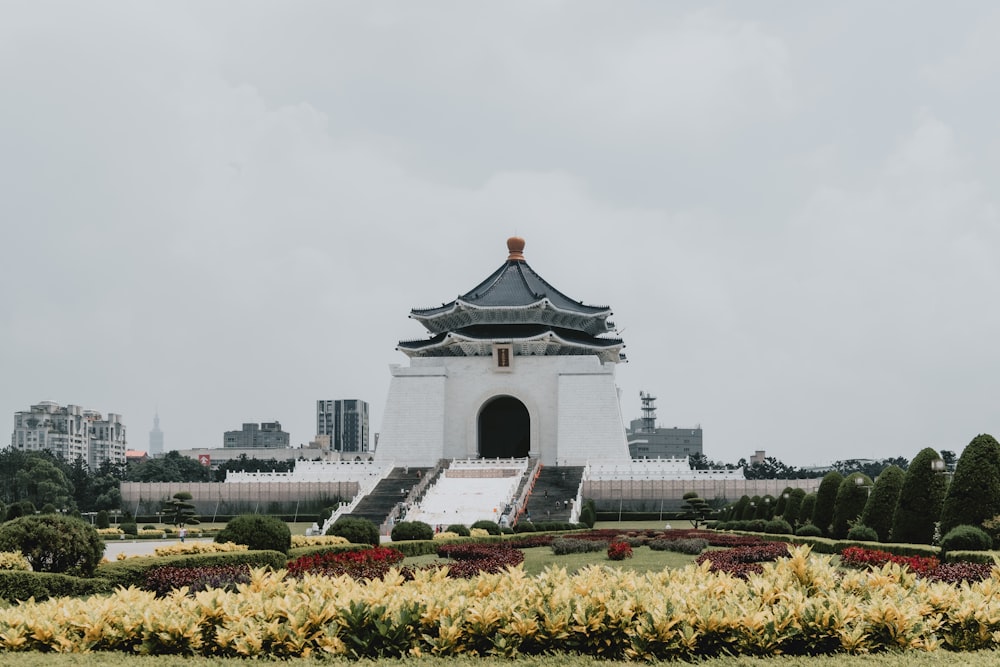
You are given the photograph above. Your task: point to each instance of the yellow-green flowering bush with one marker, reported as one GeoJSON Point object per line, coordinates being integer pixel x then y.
{"type": "Point", "coordinates": [446, 535]}
{"type": "Point", "coordinates": [479, 532]}
{"type": "Point", "coordinates": [110, 532]}
{"type": "Point", "coordinates": [14, 560]}
{"type": "Point", "coordinates": [798, 605]}
{"type": "Point", "coordinates": [183, 548]}
{"type": "Point", "coordinates": [317, 540]}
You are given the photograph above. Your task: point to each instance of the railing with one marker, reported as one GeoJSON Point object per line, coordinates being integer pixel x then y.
{"type": "Point", "coordinates": [522, 499]}
{"type": "Point", "coordinates": [363, 490]}
{"type": "Point", "coordinates": [414, 496]}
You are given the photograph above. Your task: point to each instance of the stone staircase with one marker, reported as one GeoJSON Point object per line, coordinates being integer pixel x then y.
{"type": "Point", "coordinates": [555, 489]}
{"type": "Point", "coordinates": [393, 489]}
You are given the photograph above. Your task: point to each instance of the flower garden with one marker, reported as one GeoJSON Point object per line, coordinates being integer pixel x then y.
{"type": "Point", "coordinates": [742, 596]}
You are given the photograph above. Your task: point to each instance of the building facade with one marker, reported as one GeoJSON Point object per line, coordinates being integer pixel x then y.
{"type": "Point", "coordinates": [70, 432]}
{"type": "Point", "coordinates": [647, 440]}
{"type": "Point", "coordinates": [512, 368]}
{"type": "Point", "coordinates": [344, 423]}
{"type": "Point", "coordinates": [251, 436]}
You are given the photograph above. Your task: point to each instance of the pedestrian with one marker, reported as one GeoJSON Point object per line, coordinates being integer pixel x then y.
{"type": "Point", "coordinates": [545, 494]}
{"type": "Point", "coordinates": [183, 533]}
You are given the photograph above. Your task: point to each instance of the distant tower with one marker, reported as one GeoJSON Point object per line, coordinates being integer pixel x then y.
{"type": "Point", "coordinates": [156, 437]}
{"type": "Point", "coordinates": [648, 412]}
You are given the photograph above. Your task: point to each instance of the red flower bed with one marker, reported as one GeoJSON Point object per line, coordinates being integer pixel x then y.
{"type": "Point", "coordinates": [162, 580]}
{"type": "Point", "coordinates": [928, 567]}
{"type": "Point", "coordinates": [619, 551]}
{"type": "Point", "coordinates": [741, 561]}
{"type": "Point", "coordinates": [471, 559]}
{"type": "Point", "coordinates": [362, 564]}
{"type": "Point", "coordinates": [859, 557]}
{"type": "Point", "coordinates": [714, 539]}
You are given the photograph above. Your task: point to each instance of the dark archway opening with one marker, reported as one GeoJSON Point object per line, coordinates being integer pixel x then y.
{"type": "Point", "coordinates": [504, 429]}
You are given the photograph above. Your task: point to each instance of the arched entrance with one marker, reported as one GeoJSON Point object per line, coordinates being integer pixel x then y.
{"type": "Point", "coordinates": [504, 429]}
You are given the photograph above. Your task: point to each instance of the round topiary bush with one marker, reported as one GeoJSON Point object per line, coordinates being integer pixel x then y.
{"type": "Point", "coordinates": [778, 527]}
{"type": "Point", "coordinates": [966, 538]}
{"type": "Point", "coordinates": [458, 529]}
{"type": "Point", "coordinates": [524, 527]}
{"type": "Point", "coordinates": [412, 530]}
{"type": "Point", "coordinates": [487, 525]}
{"type": "Point", "coordinates": [355, 531]}
{"type": "Point", "coordinates": [129, 528]}
{"type": "Point", "coordinates": [757, 525]}
{"type": "Point", "coordinates": [809, 530]}
{"type": "Point", "coordinates": [54, 543]}
{"type": "Point", "coordinates": [258, 532]}
{"type": "Point", "coordinates": [859, 532]}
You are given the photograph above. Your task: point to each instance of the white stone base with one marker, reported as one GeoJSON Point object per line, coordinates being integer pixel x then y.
{"type": "Point", "coordinates": [433, 408]}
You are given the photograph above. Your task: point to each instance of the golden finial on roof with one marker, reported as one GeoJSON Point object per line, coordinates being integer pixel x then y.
{"type": "Point", "coordinates": [515, 246]}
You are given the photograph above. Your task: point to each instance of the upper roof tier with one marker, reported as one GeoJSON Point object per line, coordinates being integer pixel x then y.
{"type": "Point", "coordinates": [515, 294]}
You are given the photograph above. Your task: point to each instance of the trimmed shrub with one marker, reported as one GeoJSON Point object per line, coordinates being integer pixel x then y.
{"type": "Point", "coordinates": [412, 530]}
{"type": "Point", "coordinates": [807, 509]}
{"type": "Point", "coordinates": [852, 495]}
{"type": "Point", "coordinates": [778, 527]}
{"type": "Point", "coordinates": [757, 525]}
{"type": "Point", "coordinates": [102, 520]}
{"type": "Point", "coordinates": [793, 506]}
{"type": "Point", "coordinates": [355, 530]}
{"type": "Point", "coordinates": [966, 538]}
{"type": "Point", "coordinates": [692, 546]}
{"type": "Point", "coordinates": [619, 551]}
{"type": "Point", "coordinates": [258, 532]}
{"type": "Point", "coordinates": [862, 533]}
{"type": "Point", "coordinates": [54, 543]}
{"type": "Point", "coordinates": [974, 493]}
{"type": "Point", "coordinates": [489, 526]}
{"type": "Point", "coordinates": [132, 571]}
{"type": "Point", "coordinates": [19, 509]}
{"type": "Point", "coordinates": [809, 530]}
{"type": "Point", "coordinates": [568, 545]}
{"type": "Point", "coordinates": [826, 501]}
{"type": "Point", "coordinates": [524, 527]}
{"type": "Point", "coordinates": [588, 513]}
{"type": "Point", "coordinates": [16, 585]}
{"type": "Point", "coordinates": [920, 499]}
{"type": "Point", "coordinates": [129, 528]}
{"type": "Point", "coordinates": [458, 529]}
{"type": "Point", "coordinates": [881, 504]}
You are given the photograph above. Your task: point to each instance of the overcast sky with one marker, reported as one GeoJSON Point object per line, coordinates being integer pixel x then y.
{"type": "Point", "coordinates": [225, 211]}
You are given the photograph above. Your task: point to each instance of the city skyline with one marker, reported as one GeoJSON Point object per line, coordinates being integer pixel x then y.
{"type": "Point", "coordinates": [791, 208]}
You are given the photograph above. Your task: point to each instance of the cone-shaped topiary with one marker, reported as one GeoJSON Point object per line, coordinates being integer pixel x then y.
{"type": "Point", "coordinates": [974, 493]}
{"type": "Point", "coordinates": [851, 498]}
{"type": "Point", "coordinates": [793, 506]}
{"type": "Point", "coordinates": [826, 501]}
{"type": "Point", "coordinates": [807, 509]}
{"type": "Point", "coordinates": [881, 504]}
{"type": "Point", "coordinates": [920, 498]}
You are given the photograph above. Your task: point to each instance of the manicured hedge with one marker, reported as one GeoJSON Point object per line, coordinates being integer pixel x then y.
{"type": "Point", "coordinates": [132, 571]}
{"type": "Point", "coordinates": [17, 585]}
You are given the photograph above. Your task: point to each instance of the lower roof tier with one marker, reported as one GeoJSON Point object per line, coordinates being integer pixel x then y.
{"type": "Point", "coordinates": [525, 340]}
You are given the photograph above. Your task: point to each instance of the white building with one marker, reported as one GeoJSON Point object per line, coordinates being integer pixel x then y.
{"type": "Point", "coordinates": [70, 432]}
{"type": "Point", "coordinates": [512, 368]}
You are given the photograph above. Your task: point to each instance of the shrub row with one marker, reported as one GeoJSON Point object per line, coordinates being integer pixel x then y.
{"type": "Point", "coordinates": [568, 545]}
{"type": "Point", "coordinates": [692, 546]}
{"type": "Point", "coordinates": [741, 561]}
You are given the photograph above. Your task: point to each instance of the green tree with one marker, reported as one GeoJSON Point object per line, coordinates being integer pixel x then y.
{"type": "Point", "coordinates": [920, 499]}
{"type": "Point", "coordinates": [881, 504]}
{"type": "Point", "coordinates": [171, 467]}
{"type": "Point", "coordinates": [793, 506]}
{"type": "Point", "coordinates": [695, 508]}
{"type": "Point", "coordinates": [852, 494]}
{"type": "Point", "coordinates": [781, 501]}
{"type": "Point", "coordinates": [826, 501]}
{"type": "Point", "coordinates": [54, 543]}
{"type": "Point", "coordinates": [41, 481]}
{"type": "Point", "coordinates": [179, 510]}
{"type": "Point", "coordinates": [737, 511]}
{"type": "Point", "coordinates": [750, 509]}
{"type": "Point", "coordinates": [974, 493]}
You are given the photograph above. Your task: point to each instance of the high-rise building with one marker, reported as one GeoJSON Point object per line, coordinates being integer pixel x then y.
{"type": "Point", "coordinates": [345, 423]}
{"type": "Point", "coordinates": [70, 432]}
{"type": "Point", "coordinates": [156, 438]}
{"type": "Point", "coordinates": [267, 434]}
